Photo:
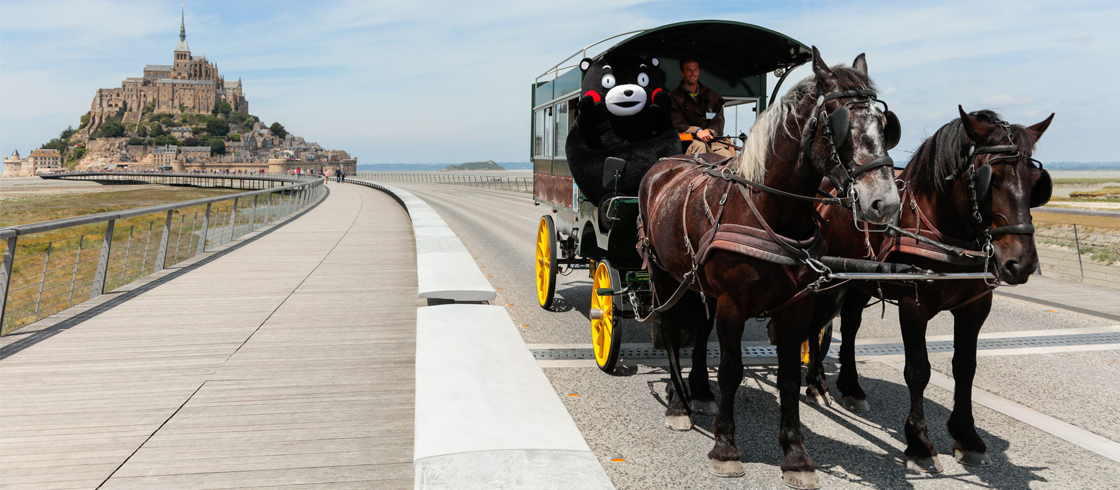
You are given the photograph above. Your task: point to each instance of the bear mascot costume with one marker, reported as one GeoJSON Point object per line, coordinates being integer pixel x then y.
{"type": "Point", "coordinates": [625, 114]}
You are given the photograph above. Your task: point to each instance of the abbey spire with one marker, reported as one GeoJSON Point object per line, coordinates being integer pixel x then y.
{"type": "Point", "coordinates": [183, 25]}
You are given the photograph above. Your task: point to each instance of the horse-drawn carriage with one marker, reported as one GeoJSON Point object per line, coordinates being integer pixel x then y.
{"type": "Point", "coordinates": [706, 243]}
{"type": "Point", "coordinates": [578, 233]}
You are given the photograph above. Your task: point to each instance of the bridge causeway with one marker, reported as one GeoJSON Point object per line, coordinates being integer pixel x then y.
{"type": "Point", "coordinates": [285, 358]}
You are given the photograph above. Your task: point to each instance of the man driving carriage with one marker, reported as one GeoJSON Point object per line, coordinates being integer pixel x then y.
{"type": "Point", "coordinates": [698, 111]}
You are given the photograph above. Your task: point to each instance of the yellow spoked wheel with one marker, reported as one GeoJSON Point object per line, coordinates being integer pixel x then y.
{"type": "Point", "coordinates": [824, 340]}
{"type": "Point", "coordinates": [546, 262]}
{"type": "Point", "coordinates": [606, 336]}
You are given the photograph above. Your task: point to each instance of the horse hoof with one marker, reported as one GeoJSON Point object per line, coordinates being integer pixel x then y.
{"type": "Point", "coordinates": [703, 407]}
{"type": "Point", "coordinates": [801, 479]}
{"type": "Point", "coordinates": [928, 464]}
{"type": "Point", "coordinates": [727, 469]}
{"type": "Point", "coordinates": [817, 399]}
{"type": "Point", "coordinates": [972, 458]}
{"type": "Point", "coordinates": [678, 422]}
{"type": "Point", "coordinates": [855, 405]}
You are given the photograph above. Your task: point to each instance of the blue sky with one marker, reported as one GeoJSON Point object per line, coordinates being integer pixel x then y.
{"type": "Point", "coordinates": [423, 81]}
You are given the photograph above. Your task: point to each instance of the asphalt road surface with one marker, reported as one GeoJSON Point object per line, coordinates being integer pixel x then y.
{"type": "Point", "coordinates": [621, 415]}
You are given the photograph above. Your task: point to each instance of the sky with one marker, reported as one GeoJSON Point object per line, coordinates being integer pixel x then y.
{"type": "Point", "coordinates": [449, 81]}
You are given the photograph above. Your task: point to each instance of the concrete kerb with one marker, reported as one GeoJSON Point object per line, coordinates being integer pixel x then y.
{"type": "Point", "coordinates": [506, 427]}
{"type": "Point", "coordinates": [445, 270]}
{"type": "Point", "coordinates": [486, 415]}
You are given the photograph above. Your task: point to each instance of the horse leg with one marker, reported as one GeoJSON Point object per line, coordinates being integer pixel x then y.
{"type": "Point", "coordinates": [825, 307]}
{"type": "Point", "coordinates": [669, 328]}
{"type": "Point", "coordinates": [798, 469]}
{"type": "Point", "coordinates": [703, 400]}
{"type": "Point", "coordinates": [920, 453]}
{"type": "Point", "coordinates": [852, 396]}
{"type": "Point", "coordinates": [970, 448]}
{"type": "Point", "coordinates": [724, 457]}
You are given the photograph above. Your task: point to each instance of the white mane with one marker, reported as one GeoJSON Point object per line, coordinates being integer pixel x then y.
{"type": "Point", "coordinates": [752, 160]}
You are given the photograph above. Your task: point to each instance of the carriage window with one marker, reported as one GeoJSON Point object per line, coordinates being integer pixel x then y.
{"type": "Point", "coordinates": [740, 116]}
{"type": "Point", "coordinates": [549, 130]}
{"type": "Point", "coordinates": [561, 127]}
{"type": "Point", "coordinates": [538, 133]}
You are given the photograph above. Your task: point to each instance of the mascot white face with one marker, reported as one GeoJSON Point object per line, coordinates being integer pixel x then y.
{"type": "Point", "coordinates": [624, 87]}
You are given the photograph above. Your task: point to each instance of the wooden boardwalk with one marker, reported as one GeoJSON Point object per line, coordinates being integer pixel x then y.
{"type": "Point", "coordinates": [284, 360]}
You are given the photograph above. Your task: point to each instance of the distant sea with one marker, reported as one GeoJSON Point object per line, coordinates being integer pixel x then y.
{"type": "Point", "coordinates": [431, 167]}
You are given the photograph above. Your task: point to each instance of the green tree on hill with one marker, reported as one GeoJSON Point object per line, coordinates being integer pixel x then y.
{"type": "Point", "coordinates": [217, 127]}
{"type": "Point", "coordinates": [217, 146]}
{"type": "Point", "coordinates": [278, 130]}
{"type": "Point", "coordinates": [67, 133]}
{"type": "Point", "coordinates": [111, 128]}
{"type": "Point", "coordinates": [85, 121]}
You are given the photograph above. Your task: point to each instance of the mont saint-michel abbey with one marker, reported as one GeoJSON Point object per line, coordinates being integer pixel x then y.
{"type": "Point", "coordinates": [189, 85]}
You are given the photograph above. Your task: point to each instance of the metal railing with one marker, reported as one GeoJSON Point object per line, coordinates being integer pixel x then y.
{"type": "Point", "coordinates": [1081, 253]}
{"type": "Point", "coordinates": [52, 265]}
{"type": "Point", "coordinates": [515, 184]}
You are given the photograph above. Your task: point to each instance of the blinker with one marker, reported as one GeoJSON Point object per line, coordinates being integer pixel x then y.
{"type": "Point", "coordinates": [840, 121]}
{"type": "Point", "coordinates": [893, 130]}
{"type": "Point", "coordinates": [983, 182]}
{"type": "Point", "coordinates": [1042, 190]}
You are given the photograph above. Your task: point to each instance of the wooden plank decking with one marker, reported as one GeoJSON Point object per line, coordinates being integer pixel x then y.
{"type": "Point", "coordinates": [285, 360]}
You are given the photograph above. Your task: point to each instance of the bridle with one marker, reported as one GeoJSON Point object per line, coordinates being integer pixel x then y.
{"type": "Point", "coordinates": [979, 182]}
{"type": "Point", "coordinates": [837, 133]}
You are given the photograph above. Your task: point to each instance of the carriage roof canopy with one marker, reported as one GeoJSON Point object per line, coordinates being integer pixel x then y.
{"type": "Point", "coordinates": [726, 50]}
{"type": "Point", "coordinates": [734, 57]}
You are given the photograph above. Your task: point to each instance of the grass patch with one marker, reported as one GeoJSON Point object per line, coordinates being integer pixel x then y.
{"type": "Point", "coordinates": [1079, 180]}
{"type": "Point", "coordinates": [1042, 217]}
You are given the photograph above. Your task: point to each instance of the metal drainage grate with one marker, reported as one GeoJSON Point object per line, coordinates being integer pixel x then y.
{"type": "Point", "coordinates": [757, 351]}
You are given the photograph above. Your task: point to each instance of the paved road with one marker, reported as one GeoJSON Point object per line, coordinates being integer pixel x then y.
{"type": "Point", "coordinates": [621, 415]}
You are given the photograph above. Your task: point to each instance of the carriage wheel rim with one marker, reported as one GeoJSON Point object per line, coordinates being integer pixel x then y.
{"type": "Point", "coordinates": [544, 261]}
{"type": "Point", "coordinates": [602, 329]}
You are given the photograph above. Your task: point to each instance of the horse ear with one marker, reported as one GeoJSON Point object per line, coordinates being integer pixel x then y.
{"type": "Point", "coordinates": [820, 68]}
{"type": "Point", "coordinates": [860, 64]}
{"type": "Point", "coordinates": [1040, 128]}
{"type": "Point", "coordinates": [975, 130]}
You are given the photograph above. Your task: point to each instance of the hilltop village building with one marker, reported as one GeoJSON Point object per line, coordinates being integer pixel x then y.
{"type": "Point", "coordinates": [40, 161]}
{"type": "Point", "coordinates": [189, 85]}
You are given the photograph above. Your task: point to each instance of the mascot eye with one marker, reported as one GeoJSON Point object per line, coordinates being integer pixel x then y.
{"type": "Point", "coordinates": [608, 81]}
{"type": "Point", "coordinates": [643, 79]}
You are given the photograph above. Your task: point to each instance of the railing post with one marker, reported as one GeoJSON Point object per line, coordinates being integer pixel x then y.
{"type": "Point", "coordinates": [253, 216]}
{"type": "Point", "coordinates": [205, 229]}
{"type": "Point", "coordinates": [6, 276]}
{"type": "Point", "coordinates": [1077, 242]}
{"type": "Point", "coordinates": [161, 256]}
{"type": "Point", "coordinates": [43, 280]}
{"type": "Point", "coordinates": [233, 219]}
{"type": "Point", "coordinates": [179, 237]}
{"type": "Point", "coordinates": [99, 277]}
{"type": "Point", "coordinates": [127, 249]}
{"type": "Point", "coordinates": [147, 242]}
{"type": "Point", "coordinates": [74, 277]}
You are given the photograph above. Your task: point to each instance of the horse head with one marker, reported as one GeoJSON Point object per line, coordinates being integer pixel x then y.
{"type": "Point", "coordinates": [849, 136]}
{"type": "Point", "coordinates": [1001, 183]}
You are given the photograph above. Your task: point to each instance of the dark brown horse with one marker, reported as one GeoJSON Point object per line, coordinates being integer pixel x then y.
{"type": "Point", "coordinates": [827, 125]}
{"type": "Point", "coordinates": [970, 186]}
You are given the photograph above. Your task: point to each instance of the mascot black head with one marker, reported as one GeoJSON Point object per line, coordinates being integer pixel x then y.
{"type": "Point", "coordinates": [624, 84]}
{"type": "Point", "coordinates": [624, 113]}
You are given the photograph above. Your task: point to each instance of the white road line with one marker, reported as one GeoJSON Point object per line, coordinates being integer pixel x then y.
{"type": "Point", "coordinates": [1063, 430]}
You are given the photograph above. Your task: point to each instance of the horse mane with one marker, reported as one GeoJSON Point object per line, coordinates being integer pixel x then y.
{"type": "Point", "coordinates": [752, 160]}
{"type": "Point", "coordinates": [945, 154]}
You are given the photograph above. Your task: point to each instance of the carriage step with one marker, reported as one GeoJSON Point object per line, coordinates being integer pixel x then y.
{"type": "Point", "coordinates": [646, 351]}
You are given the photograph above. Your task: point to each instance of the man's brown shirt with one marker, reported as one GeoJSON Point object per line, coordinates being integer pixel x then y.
{"type": "Point", "coordinates": [689, 111]}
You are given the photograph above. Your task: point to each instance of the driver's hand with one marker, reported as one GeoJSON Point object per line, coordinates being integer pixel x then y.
{"type": "Point", "coordinates": [704, 135]}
